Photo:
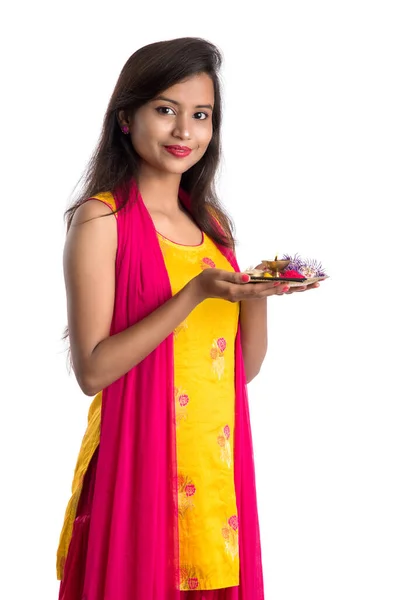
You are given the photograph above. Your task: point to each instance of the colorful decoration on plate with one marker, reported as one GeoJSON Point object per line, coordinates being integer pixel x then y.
{"type": "Point", "coordinates": [288, 267]}
{"type": "Point", "coordinates": [308, 268]}
{"type": "Point", "coordinates": [292, 274]}
{"type": "Point", "coordinates": [257, 273]}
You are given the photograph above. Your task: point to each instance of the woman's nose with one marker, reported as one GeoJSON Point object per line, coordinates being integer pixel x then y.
{"type": "Point", "coordinates": [182, 128]}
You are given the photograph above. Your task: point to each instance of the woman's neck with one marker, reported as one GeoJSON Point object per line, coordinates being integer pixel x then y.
{"type": "Point", "coordinates": [160, 191]}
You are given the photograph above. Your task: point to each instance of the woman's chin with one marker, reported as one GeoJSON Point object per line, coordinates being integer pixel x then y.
{"type": "Point", "coordinates": [175, 168]}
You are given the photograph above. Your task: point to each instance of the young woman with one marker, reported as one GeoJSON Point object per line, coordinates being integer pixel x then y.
{"type": "Point", "coordinates": [165, 332]}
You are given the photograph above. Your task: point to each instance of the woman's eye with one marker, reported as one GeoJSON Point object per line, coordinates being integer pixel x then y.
{"type": "Point", "coordinates": [163, 110]}
{"type": "Point", "coordinates": [200, 116]}
{"type": "Point", "coordinates": [166, 110]}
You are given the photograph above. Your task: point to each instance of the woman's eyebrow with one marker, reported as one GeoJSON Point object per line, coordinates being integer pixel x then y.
{"type": "Point", "coordinates": [177, 103]}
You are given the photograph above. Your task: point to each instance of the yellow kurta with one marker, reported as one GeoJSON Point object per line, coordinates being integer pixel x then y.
{"type": "Point", "coordinates": [204, 355]}
{"type": "Point", "coordinates": [204, 346]}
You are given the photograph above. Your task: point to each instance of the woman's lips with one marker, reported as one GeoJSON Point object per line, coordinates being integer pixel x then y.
{"type": "Point", "coordinates": [179, 151]}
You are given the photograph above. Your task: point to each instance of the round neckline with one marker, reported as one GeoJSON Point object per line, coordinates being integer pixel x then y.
{"type": "Point", "coordinates": [183, 245]}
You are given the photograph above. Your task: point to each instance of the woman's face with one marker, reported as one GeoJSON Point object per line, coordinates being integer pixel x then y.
{"type": "Point", "coordinates": [171, 133]}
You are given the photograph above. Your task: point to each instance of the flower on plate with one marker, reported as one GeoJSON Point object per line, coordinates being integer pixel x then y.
{"type": "Point", "coordinates": [308, 268]}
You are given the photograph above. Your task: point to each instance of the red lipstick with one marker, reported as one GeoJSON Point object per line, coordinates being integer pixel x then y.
{"type": "Point", "coordinates": [180, 151]}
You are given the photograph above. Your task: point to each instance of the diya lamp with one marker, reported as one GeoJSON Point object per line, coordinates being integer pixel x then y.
{"type": "Point", "coordinates": [275, 267]}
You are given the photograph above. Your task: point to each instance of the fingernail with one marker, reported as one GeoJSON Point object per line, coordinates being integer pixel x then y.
{"type": "Point", "coordinates": [245, 278]}
{"type": "Point", "coordinates": [277, 283]}
{"type": "Point", "coordinates": [286, 288]}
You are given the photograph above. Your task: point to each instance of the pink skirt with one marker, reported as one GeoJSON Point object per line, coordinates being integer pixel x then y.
{"type": "Point", "coordinates": [71, 587]}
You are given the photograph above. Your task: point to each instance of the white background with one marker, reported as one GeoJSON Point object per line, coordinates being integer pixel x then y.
{"type": "Point", "coordinates": [311, 165]}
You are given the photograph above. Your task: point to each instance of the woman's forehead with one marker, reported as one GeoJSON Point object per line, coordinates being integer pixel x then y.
{"type": "Point", "coordinates": [197, 90]}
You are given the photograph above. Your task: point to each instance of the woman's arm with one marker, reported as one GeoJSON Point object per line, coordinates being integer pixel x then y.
{"type": "Point", "coordinates": [89, 268]}
{"type": "Point", "coordinates": [254, 335]}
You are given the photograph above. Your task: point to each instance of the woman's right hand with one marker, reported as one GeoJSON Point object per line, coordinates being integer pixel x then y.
{"type": "Point", "coordinates": [234, 287]}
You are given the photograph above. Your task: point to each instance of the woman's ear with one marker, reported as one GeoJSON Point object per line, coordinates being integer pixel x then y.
{"type": "Point", "coordinates": [122, 118]}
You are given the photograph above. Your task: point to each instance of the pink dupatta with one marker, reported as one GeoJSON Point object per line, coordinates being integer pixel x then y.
{"type": "Point", "coordinates": [133, 543]}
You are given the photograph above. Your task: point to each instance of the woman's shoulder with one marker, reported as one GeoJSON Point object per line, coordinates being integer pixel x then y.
{"type": "Point", "coordinates": [88, 229]}
{"type": "Point", "coordinates": [95, 206]}
{"type": "Point", "coordinates": [105, 198]}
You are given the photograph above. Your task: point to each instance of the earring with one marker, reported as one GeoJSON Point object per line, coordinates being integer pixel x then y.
{"type": "Point", "coordinates": [125, 129]}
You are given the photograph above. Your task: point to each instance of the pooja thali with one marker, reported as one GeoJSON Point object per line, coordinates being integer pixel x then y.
{"type": "Point", "coordinates": [294, 271]}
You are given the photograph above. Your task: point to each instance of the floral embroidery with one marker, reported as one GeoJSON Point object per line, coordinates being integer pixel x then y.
{"type": "Point", "coordinates": [181, 327]}
{"type": "Point", "coordinates": [190, 577]}
{"type": "Point", "coordinates": [217, 356]}
{"type": "Point", "coordinates": [231, 536]}
{"type": "Point", "coordinates": [234, 522]}
{"type": "Point", "coordinates": [207, 263]}
{"type": "Point", "coordinates": [181, 401]}
{"type": "Point", "coordinates": [193, 583]}
{"type": "Point", "coordinates": [186, 491]}
{"type": "Point", "coordinates": [190, 489]}
{"type": "Point", "coordinates": [223, 441]}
